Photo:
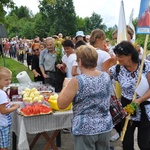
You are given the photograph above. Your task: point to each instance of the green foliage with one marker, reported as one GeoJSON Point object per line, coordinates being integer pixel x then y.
{"type": "Point", "coordinates": [80, 23]}
{"type": "Point", "coordinates": [19, 22]}
{"type": "Point", "coordinates": [40, 26]}
{"type": "Point", "coordinates": [90, 23]}
{"type": "Point", "coordinates": [5, 3]}
{"type": "Point", "coordinates": [96, 22]}
{"type": "Point", "coordinates": [21, 12]}
{"type": "Point", "coordinates": [15, 67]}
{"type": "Point", "coordinates": [60, 15]}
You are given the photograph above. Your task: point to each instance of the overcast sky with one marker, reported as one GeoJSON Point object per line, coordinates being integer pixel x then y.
{"type": "Point", "coordinates": [108, 9]}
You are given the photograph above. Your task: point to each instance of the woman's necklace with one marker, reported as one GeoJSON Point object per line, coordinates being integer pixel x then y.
{"type": "Point", "coordinates": [133, 72]}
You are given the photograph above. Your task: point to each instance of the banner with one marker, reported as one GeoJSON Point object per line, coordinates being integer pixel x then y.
{"type": "Point", "coordinates": [143, 26]}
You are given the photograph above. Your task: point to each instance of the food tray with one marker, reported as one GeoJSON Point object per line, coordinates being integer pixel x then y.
{"type": "Point", "coordinates": [20, 113]}
{"type": "Point", "coordinates": [40, 113]}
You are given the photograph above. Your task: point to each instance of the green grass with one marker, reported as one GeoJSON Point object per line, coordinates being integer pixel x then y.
{"type": "Point", "coordinates": [15, 67]}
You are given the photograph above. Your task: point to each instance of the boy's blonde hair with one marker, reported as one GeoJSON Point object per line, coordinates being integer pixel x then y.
{"type": "Point", "coordinates": [4, 72]}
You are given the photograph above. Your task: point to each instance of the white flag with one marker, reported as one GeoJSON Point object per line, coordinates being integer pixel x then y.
{"type": "Point", "coordinates": [122, 33]}
{"type": "Point", "coordinates": [132, 26]}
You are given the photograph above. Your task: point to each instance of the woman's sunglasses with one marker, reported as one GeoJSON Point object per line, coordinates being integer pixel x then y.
{"type": "Point", "coordinates": [36, 50]}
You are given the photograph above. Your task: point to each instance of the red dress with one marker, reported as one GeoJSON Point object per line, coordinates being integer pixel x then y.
{"type": "Point", "coordinates": [144, 19]}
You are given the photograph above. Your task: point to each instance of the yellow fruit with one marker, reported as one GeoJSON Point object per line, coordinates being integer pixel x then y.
{"type": "Point", "coordinates": [36, 93]}
{"type": "Point", "coordinates": [41, 97]}
{"type": "Point", "coordinates": [26, 89]}
{"type": "Point", "coordinates": [35, 99]}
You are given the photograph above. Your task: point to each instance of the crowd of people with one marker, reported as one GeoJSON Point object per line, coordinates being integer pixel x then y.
{"type": "Point", "coordinates": [84, 77]}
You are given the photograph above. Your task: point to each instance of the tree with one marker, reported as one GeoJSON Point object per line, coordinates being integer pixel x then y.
{"type": "Point", "coordinates": [80, 22]}
{"type": "Point", "coordinates": [40, 26]}
{"type": "Point", "coordinates": [60, 16]}
{"type": "Point", "coordinates": [90, 23]}
{"type": "Point", "coordinates": [22, 12]}
{"type": "Point", "coordinates": [20, 22]}
{"type": "Point", "coordinates": [96, 22]}
{"type": "Point", "coordinates": [11, 25]}
{"type": "Point", "coordinates": [5, 3]}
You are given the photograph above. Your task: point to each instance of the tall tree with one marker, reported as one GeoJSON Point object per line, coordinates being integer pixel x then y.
{"type": "Point", "coordinates": [5, 3]}
{"type": "Point", "coordinates": [40, 26]}
{"type": "Point", "coordinates": [97, 22]}
{"type": "Point", "coordinates": [60, 16]}
{"type": "Point", "coordinates": [20, 22]}
{"type": "Point", "coordinates": [22, 12]}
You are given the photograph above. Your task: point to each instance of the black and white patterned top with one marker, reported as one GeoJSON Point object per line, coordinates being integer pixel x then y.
{"type": "Point", "coordinates": [91, 113]}
{"type": "Point", "coordinates": [128, 80]}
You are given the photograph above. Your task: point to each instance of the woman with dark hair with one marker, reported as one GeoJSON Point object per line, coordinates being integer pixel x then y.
{"type": "Point", "coordinates": [127, 76]}
{"type": "Point", "coordinates": [68, 58]}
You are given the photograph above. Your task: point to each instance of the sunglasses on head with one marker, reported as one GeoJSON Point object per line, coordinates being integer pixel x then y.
{"type": "Point", "coordinates": [36, 50]}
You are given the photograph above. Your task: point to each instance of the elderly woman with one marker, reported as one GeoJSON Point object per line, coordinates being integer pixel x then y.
{"type": "Point", "coordinates": [127, 76]}
{"type": "Point", "coordinates": [90, 94]}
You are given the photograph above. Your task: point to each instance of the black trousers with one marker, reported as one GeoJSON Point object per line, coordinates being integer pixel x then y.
{"type": "Point", "coordinates": [143, 135]}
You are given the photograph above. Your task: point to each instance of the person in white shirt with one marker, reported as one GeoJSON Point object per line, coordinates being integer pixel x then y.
{"type": "Point", "coordinates": [5, 109]}
{"type": "Point", "coordinates": [97, 39]}
{"type": "Point", "coordinates": [67, 62]}
{"type": "Point", "coordinates": [68, 59]}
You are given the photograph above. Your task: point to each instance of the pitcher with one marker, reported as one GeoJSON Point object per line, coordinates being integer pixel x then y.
{"type": "Point", "coordinates": [13, 90]}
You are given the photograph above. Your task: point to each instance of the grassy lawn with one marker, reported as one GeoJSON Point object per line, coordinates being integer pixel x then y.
{"type": "Point", "coordinates": [15, 67]}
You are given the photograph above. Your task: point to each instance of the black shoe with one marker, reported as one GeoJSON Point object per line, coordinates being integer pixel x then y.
{"type": "Point", "coordinates": [66, 130]}
{"type": "Point", "coordinates": [111, 148]}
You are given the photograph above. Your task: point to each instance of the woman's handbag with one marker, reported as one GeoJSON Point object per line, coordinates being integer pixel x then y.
{"type": "Point", "coordinates": [117, 111]}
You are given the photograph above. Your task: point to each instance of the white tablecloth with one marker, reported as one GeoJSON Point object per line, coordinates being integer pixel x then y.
{"type": "Point", "coordinates": [37, 124]}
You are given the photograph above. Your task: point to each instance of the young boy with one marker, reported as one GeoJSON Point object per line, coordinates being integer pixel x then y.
{"type": "Point", "coordinates": [5, 109]}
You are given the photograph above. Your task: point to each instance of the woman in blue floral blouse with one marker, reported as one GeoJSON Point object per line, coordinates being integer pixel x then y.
{"type": "Point", "coordinates": [90, 94]}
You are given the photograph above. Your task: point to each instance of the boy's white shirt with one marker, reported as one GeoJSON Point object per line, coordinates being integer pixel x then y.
{"type": "Point", "coordinates": [4, 99]}
{"type": "Point", "coordinates": [69, 61]}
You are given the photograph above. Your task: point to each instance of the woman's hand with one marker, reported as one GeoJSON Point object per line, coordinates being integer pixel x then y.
{"type": "Point", "coordinates": [138, 100]}
{"type": "Point", "coordinates": [45, 75]}
{"type": "Point", "coordinates": [66, 81]}
{"type": "Point", "coordinates": [59, 66]}
{"type": "Point", "coordinates": [37, 74]}
{"type": "Point", "coordinates": [68, 93]}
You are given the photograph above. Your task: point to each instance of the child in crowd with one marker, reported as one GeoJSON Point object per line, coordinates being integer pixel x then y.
{"type": "Point", "coordinates": [5, 109]}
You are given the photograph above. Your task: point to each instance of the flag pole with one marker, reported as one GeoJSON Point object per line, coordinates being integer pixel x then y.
{"type": "Point", "coordinates": [138, 81]}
